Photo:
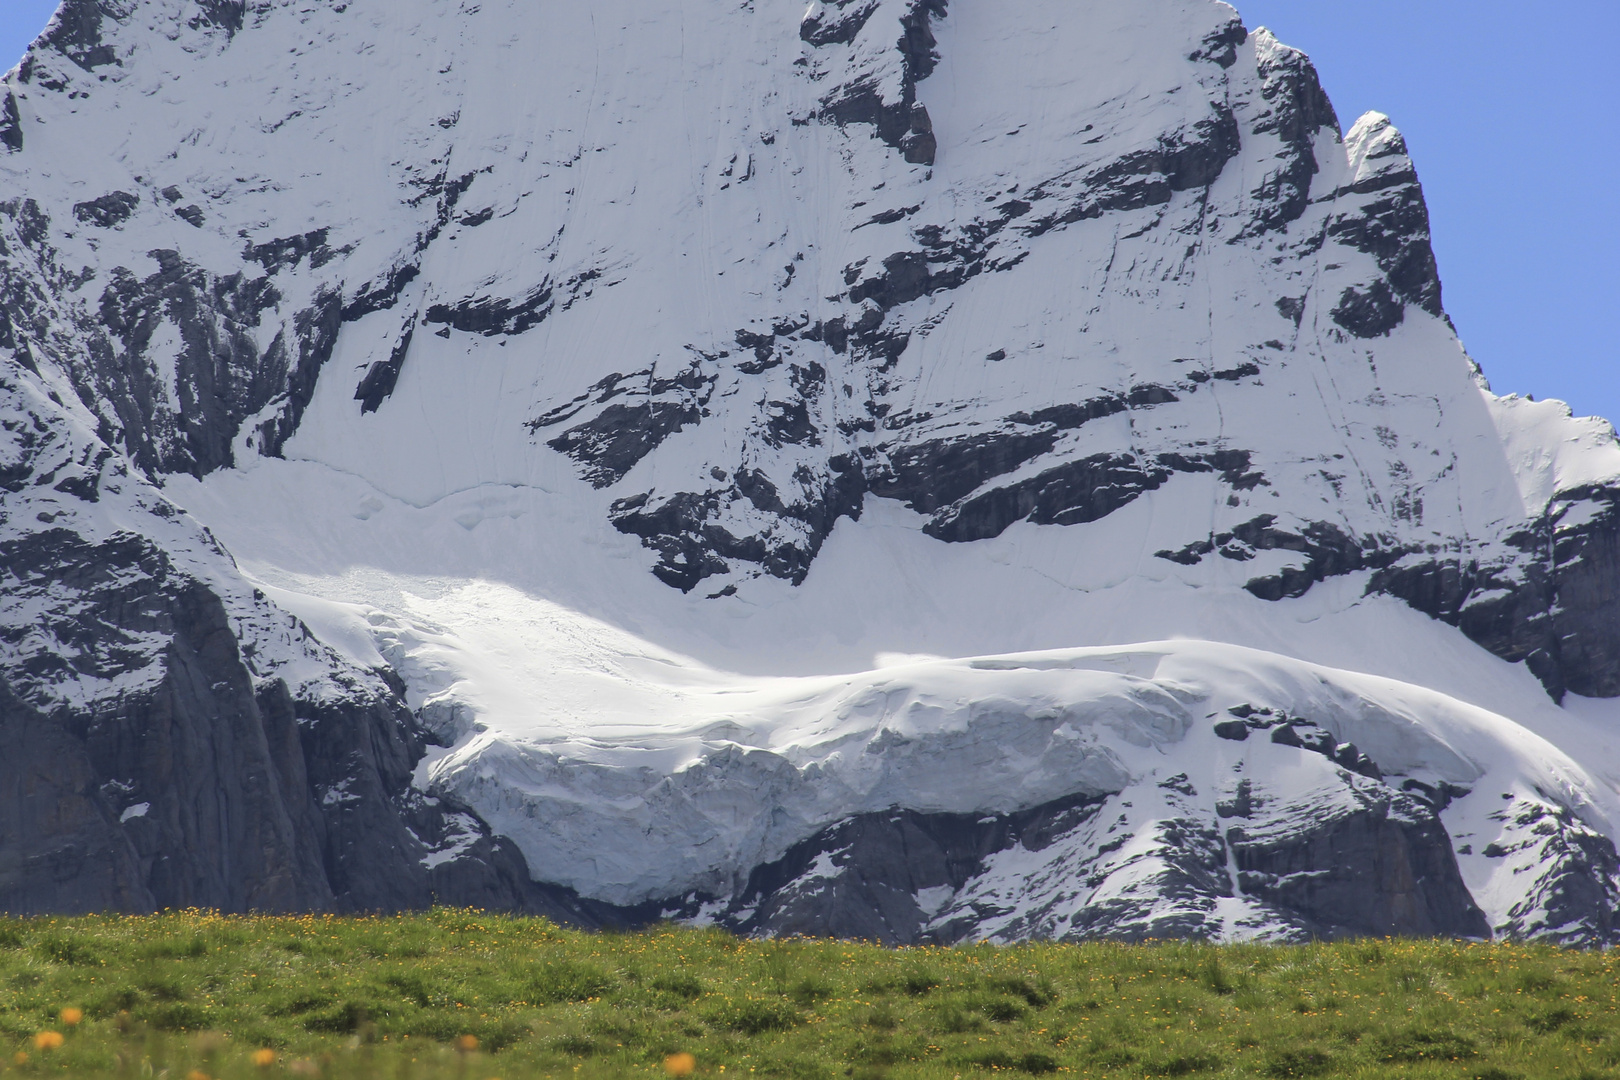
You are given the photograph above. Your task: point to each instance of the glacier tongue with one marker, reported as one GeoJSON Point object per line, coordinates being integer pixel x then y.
{"type": "Point", "coordinates": [600, 391]}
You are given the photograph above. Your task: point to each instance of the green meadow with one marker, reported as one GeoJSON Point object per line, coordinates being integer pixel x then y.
{"type": "Point", "coordinates": [472, 996]}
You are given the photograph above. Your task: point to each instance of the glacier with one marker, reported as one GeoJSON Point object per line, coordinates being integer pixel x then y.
{"type": "Point", "coordinates": [896, 469]}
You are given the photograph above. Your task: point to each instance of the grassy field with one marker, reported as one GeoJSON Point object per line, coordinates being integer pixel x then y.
{"type": "Point", "coordinates": [472, 996]}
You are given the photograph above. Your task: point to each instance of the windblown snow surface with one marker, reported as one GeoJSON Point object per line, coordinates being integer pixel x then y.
{"type": "Point", "coordinates": [659, 209]}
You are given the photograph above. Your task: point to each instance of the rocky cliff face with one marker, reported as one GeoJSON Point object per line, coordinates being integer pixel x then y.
{"type": "Point", "coordinates": [653, 343]}
{"type": "Point", "coordinates": [173, 740]}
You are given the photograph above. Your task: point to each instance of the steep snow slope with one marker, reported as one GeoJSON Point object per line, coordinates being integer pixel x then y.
{"type": "Point", "coordinates": [664, 393]}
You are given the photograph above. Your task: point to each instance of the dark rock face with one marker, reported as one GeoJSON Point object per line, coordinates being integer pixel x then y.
{"type": "Point", "coordinates": [837, 23]}
{"type": "Point", "coordinates": [492, 316]}
{"type": "Point", "coordinates": [1182, 161]}
{"type": "Point", "coordinates": [184, 772]}
{"type": "Point", "coordinates": [1068, 494]}
{"type": "Point", "coordinates": [1556, 606]}
{"type": "Point", "coordinates": [692, 547]}
{"type": "Point", "coordinates": [383, 376]}
{"type": "Point", "coordinates": [1326, 550]}
{"type": "Point", "coordinates": [1295, 110]}
{"type": "Point", "coordinates": [286, 253]}
{"type": "Point", "coordinates": [1379, 863]}
{"type": "Point", "coordinates": [902, 122]}
{"type": "Point", "coordinates": [860, 878]}
{"type": "Point", "coordinates": [1385, 868]}
{"type": "Point", "coordinates": [651, 410]}
{"type": "Point", "coordinates": [226, 15]}
{"type": "Point", "coordinates": [66, 851]}
{"type": "Point", "coordinates": [1574, 901]}
{"type": "Point", "coordinates": [1293, 731]}
{"type": "Point", "coordinates": [1584, 567]}
{"type": "Point", "coordinates": [221, 374]}
{"type": "Point", "coordinates": [1370, 313]}
{"type": "Point", "coordinates": [1393, 227]}
{"type": "Point", "coordinates": [11, 135]}
{"type": "Point", "coordinates": [77, 33]}
{"type": "Point", "coordinates": [107, 211]}
{"type": "Point", "coordinates": [156, 757]}
{"type": "Point", "coordinates": [193, 788]}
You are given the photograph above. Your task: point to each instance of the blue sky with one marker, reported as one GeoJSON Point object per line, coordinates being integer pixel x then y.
{"type": "Point", "coordinates": [1508, 110]}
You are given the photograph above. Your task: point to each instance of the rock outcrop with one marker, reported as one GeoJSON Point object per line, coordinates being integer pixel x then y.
{"type": "Point", "coordinates": [172, 740]}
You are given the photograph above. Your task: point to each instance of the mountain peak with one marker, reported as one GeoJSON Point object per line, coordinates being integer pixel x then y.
{"type": "Point", "coordinates": [535, 419]}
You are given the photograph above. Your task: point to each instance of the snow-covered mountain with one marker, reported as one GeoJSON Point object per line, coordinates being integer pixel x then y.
{"type": "Point", "coordinates": [882, 469]}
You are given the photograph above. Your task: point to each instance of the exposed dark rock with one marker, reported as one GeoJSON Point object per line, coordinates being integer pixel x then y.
{"type": "Point", "coordinates": [494, 316]}
{"type": "Point", "coordinates": [1072, 493]}
{"type": "Point", "coordinates": [1220, 46]}
{"type": "Point", "coordinates": [1327, 549]}
{"type": "Point", "coordinates": [1370, 312]}
{"type": "Point", "coordinates": [379, 296]}
{"type": "Point", "coordinates": [1180, 162]}
{"type": "Point", "coordinates": [907, 276]}
{"type": "Point", "coordinates": [1575, 900]}
{"type": "Point", "coordinates": [918, 44]}
{"type": "Point", "coordinates": [192, 215]}
{"type": "Point", "coordinates": [1555, 606]}
{"type": "Point", "coordinates": [383, 375]}
{"type": "Point", "coordinates": [1246, 370]}
{"type": "Point", "coordinates": [902, 122]}
{"type": "Point", "coordinates": [226, 15]}
{"type": "Point", "coordinates": [1295, 110]}
{"type": "Point", "coordinates": [835, 23]}
{"type": "Point", "coordinates": [1585, 576]}
{"type": "Point", "coordinates": [192, 788]}
{"type": "Point", "coordinates": [77, 33]}
{"type": "Point", "coordinates": [1395, 231]}
{"type": "Point", "coordinates": [220, 375]}
{"type": "Point", "coordinates": [11, 134]}
{"type": "Point", "coordinates": [880, 863]}
{"type": "Point", "coordinates": [931, 475]}
{"type": "Point", "coordinates": [1070, 415]}
{"type": "Point", "coordinates": [682, 527]}
{"type": "Point", "coordinates": [1510, 618]}
{"type": "Point", "coordinates": [1379, 864]}
{"type": "Point", "coordinates": [315, 331]}
{"type": "Point", "coordinates": [287, 253]}
{"type": "Point", "coordinates": [1328, 552]}
{"type": "Point", "coordinates": [107, 211]}
{"type": "Point", "coordinates": [1308, 736]}
{"type": "Point", "coordinates": [918, 145]}
{"type": "Point", "coordinates": [1380, 867]}
{"type": "Point", "coordinates": [1078, 491]}
{"type": "Point", "coordinates": [64, 850]}
{"type": "Point", "coordinates": [1292, 731]}
{"type": "Point", "coordinates": [678, 528]}
{"type": "Point", "coordinates": [904, 125]}
{"type": "Point", "coordinates": [611, 443]}
{"type": "Point", "coordinates": [619, 436]}
{"type": "Point", "coordinates": [1394, 227]}
{"type": "Point", "coordinates": [189, 758]}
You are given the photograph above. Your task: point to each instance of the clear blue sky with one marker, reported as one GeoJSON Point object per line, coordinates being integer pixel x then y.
{"type": "Point", "coordinates": [1508, 109]}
